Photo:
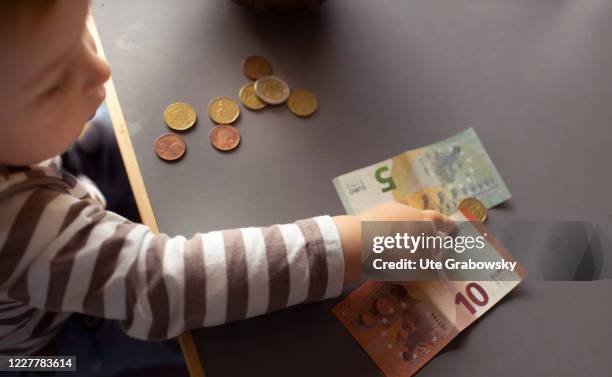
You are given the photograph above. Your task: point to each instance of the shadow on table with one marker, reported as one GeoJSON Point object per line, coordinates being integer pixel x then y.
{"type": "Point", "coordinates": [558, 250]}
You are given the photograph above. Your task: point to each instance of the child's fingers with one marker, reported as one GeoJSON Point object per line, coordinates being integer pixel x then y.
{"type": "Point", "coordinates": [441, 222]}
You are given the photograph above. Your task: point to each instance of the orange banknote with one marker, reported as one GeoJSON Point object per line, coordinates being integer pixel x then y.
{"type": "Point", "coordinates": [403, 325]}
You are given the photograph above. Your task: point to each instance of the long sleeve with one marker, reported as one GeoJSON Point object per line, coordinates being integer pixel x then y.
{"type": "Point", "coordinates": [64, 254]}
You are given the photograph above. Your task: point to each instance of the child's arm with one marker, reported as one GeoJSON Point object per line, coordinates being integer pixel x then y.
{"type": "Point", "coordinates": [74, 256]}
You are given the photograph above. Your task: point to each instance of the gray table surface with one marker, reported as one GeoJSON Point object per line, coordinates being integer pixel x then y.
{"type": "Point", "coordinates": [534, 79]}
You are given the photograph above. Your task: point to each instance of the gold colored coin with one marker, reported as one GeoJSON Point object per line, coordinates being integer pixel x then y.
{"type": "Point", "coordinates": [476, 207]}
{"type": "Point", "coordinates": [249, 98]}
{"type": "Point", "coordinates": [179, 116]}
{"type": "Point", "coordinates": [272, 90]}
{"type": "Point", "coordinates": [254, 67]}
{"type": "Point", "coordinates": [223, 110]}
{"type": "Point", "coordinates": [302, 102]}
{"type": "Point", "coordinates": [224, 137]}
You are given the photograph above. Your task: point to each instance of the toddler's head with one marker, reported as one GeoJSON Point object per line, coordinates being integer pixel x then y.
{"type": "Point", "coordinates": [52, 79]}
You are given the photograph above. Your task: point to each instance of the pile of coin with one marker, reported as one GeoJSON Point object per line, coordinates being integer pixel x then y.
{"type": "Point", "coordinates": [224, 111]}
{"type": "Point", "coordinates": [268, 89]}
{"type": "Point", "coordinates": [179, 116]}
{"type": "Point", "coordinates": [265, 89]}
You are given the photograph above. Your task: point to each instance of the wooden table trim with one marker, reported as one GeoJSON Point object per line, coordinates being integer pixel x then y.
{"type": "Point", "coordinates": [192, 359]}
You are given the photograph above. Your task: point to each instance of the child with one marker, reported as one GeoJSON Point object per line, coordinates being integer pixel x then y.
{"type": "Point", "coordinates": [62, 252]}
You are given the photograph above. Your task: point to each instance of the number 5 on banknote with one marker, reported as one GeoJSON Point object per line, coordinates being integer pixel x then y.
{"type": "Point", "coordinates": [387, 182]}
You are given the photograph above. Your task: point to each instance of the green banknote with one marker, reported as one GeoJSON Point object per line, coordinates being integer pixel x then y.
{"type": "Point", "coordinates": [436, 177]}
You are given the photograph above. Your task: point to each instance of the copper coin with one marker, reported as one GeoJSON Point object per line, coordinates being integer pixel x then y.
{"type": "Point", "coordinates": [224, 137]}
{"type": "Point", "coordinates": [170, 147]}
{"type": "Point", "coordinates": [255, 67]}
{"type": "Point", "coordinates": [385, 306]}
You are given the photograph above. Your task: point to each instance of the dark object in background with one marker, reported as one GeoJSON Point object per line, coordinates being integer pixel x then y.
{"type": "Point", "coordinates": [280, 5]}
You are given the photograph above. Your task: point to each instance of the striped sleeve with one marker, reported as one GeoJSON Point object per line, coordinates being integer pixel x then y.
{"type": "Point", "coordinates": [64, 254]}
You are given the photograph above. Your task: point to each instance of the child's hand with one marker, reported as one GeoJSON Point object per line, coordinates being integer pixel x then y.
{"type": "Point", "coordinates": [349, 228]}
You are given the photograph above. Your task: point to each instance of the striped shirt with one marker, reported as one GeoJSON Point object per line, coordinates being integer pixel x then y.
{"type": "Point", "coordinates": [62, 252]}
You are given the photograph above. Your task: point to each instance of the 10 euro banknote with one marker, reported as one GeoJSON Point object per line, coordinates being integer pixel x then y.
{"type": "Point", "coordinates": [403, 325]}
{"type": "Point", "coordinates": [435, 177]}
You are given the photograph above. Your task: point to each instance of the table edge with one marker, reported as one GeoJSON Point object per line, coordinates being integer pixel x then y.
{"type": "Point", "coordinates": [128, 155]}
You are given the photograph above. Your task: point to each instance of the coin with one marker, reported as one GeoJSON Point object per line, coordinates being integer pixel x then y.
{"type": "Point", "coordinates": [170, 147]}
{"type": "Point", "coordinates": [180, 116]}
{"type": "Point", "coordinates": [224, 137]}
{"type": "Point", "coordinates": [223, 110]}
{"type": "Point", "coordinates": [302, 102]}
{"type": "Point", "coordinates": [254, 67]}
{"type": "Point", "coordinates": [272, 90]}
{"type": "Point", "coordinates": [475, 206]}
{"type": "Point", "coordinates": [249, 98]}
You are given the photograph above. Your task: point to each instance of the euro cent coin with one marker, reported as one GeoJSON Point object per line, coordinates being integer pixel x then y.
{"type": "Point", "coordinates": [272, 90]}
{"type": "Point", "coordinates": [170, 147]}
{"type": "Point", "coordinates": [224, 137]}
{"type": "Point", "coordinates": [248, 97]}
{"type": "Point", "coordinates": [180, 116]}
{"type": "Point", "coordinates": [475, 206]}
{"type": "Point", "coordinates": [223, 110]}
{"type": "Point", "coordinates": [255, 67]}
{"type": "Point", "coordinates": [302, 102]}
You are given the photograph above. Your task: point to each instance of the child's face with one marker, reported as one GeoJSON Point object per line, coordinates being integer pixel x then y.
{"type": "Point", "coordinates": [52, 82]}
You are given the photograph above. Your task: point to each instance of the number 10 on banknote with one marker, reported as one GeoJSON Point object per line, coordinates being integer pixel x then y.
{"type": "Point", "coordinates": [435, 177]}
